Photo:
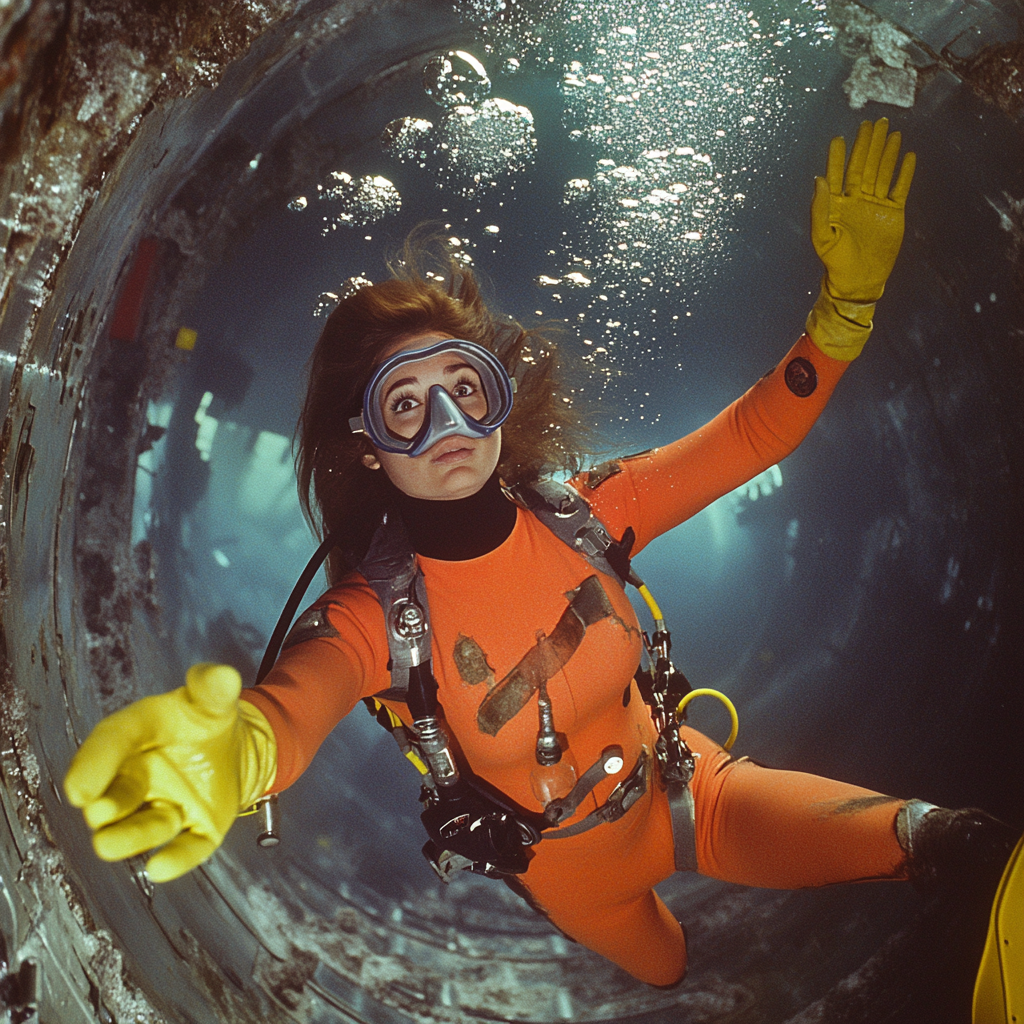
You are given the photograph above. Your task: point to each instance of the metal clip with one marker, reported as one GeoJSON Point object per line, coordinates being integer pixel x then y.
{"type": "Point", "coordinates": [271, 835]}
{"type": "Point", "coordinates": [446, 863]}
{"type": "Point", "coordinates": [408, 619]}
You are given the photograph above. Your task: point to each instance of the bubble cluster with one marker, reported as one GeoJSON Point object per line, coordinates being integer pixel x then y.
{"type": "Point", "coordinates": [664, 197]}
{"type": "Point", "coordinates": [677, 80]}
{"type": "Point", "coordinates": [573, 279]}
{"type": "Point", "coordinates": [673, 105]}
{"type": "Point", "coordinates": [351, 285]}
{"type": "Point", "coordinates": [326, 301]}
{"type": "Point", "coordinates": [408, 138]}
{"type": "Point", "coordinates": [478, 140]}
{"type": "Point", "coordinates": [365, 200]}
{"type": "Point", "coordinates": [817, 29]}
{"type": "Point", "coordinates": [668, 114]}
{"type": "Point", "coordinates": [455, 79]}
{"type": "Point", "coordinates": [478, 11]}
{"type": "Point", "coordinates": [482, 143]}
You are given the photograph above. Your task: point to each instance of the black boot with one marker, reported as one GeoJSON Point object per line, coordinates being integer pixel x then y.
{"type": "Point", "coordinates": [965, 849]}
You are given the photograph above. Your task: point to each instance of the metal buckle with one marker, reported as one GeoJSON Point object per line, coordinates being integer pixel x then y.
{"type": "Point", "coordinates": [627, 792]}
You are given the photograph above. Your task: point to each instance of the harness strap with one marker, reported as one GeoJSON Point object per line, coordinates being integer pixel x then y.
{"type": "Point", "coordinates": [621, 798]}
{"type": "Point", "coordinates": [391, 570]}
{"type": "Point", "coordinates": [569, 517]}
{"type": "Point", "coordinates": [684, 827]}
{"type": "Point", "coordinates": [557, 810]}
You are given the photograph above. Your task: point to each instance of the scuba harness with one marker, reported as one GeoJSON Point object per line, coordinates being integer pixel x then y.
{"type": "Point", "coordinates": [471, 825]}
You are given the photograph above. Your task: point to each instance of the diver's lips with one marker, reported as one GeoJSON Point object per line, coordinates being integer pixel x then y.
{"type": "Point", "coordinates": [452, 449]}
{"type": "Point", "coordinates": [452, 455]}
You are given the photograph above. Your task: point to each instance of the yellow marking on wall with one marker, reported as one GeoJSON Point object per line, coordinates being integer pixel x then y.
{"type": "Point", "coordinates": [186, 339]}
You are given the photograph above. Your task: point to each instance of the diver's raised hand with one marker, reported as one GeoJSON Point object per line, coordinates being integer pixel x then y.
{"type": "Point", "coordinates": [857, 227]}
{"type": "Point", "coordinates": [856, 230]}
{"type": "Point", "coordinates": [173, 771]}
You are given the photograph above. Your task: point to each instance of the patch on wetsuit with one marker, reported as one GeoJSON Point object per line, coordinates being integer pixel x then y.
{"type": "Point", "coordinates": [310, 625]}
{"type": "Point", "coordinates": [801, 377]}
{"type": "Point", "coordinates": [862, 803]}
{"type": "Point", "coordinates": [471, 661]}
{"type": "Point", "coordinates": [588, 604]}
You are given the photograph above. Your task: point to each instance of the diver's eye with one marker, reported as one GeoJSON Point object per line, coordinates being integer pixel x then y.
{"type": "Point", "coordinates": [402, 403]}
{"type": "Point", "coordinates": [465, 387]}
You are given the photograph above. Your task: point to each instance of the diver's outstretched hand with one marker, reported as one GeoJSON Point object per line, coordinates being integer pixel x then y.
{"type": "Point", "coordinates": [856, 229]}
{"type": "Point", "coordinates": [173, 771]}
{"type": "Point", "coordinates": [857, 226]}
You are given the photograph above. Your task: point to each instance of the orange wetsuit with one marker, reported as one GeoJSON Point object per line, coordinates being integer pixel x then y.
{"type": "Point", "coordinates": [533, 611]}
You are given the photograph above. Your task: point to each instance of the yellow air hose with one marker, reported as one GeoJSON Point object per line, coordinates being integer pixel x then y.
{"type": "Point", "coordinates": [733, 716]}
{"type": "Point", "coordinates": [659, 619]}
{"type": "Point", "coordinates": [659, 624]}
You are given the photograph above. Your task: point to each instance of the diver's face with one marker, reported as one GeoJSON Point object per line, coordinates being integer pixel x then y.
{"type": "Point", "coordinates": [455, 467]}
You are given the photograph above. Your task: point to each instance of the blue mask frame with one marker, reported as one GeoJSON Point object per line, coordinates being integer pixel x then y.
{"type": "Point", "coordinates": [443, 417]}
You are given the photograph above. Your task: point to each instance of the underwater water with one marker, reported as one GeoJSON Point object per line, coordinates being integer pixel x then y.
{"type": "Point", "coordinates": [642, 173]}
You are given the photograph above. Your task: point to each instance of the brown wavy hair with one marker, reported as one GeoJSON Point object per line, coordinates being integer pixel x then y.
{"type": "Point", "coordinates": [429, 291]}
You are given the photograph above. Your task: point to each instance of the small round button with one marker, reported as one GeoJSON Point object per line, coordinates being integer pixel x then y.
{"type": "Point", "coordinates": [613, 765]}
{"type": "Point", "coordinates": [801, 377]}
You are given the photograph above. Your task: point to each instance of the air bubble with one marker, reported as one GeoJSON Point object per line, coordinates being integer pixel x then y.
{"type": "Point", "coordinates": [406, 138]}
{"type": "Point", "coordinates": [477, 145]}
{"type": "Point", "coordinates": [325, 303]}
{"type": "Point", "coordinates": [455, 78]}
{"type": "Point", "coordinates": [577, 280]}
{"type": "Point", "coordinates": [366, 199]}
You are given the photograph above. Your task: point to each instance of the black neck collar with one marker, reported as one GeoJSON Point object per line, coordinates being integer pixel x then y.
{"type": "Point", "coordinates": [457, 530]}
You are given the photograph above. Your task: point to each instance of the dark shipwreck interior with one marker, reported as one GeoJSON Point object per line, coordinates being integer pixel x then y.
{"type": "Point", "coordinates": [188, 188]}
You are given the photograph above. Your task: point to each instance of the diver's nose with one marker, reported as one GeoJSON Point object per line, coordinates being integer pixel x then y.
{"type": "Point", "coordinates": [443, 412]}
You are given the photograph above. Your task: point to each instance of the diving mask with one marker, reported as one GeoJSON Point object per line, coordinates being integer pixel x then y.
{"type": "Point", "coordinates": [403, 416]}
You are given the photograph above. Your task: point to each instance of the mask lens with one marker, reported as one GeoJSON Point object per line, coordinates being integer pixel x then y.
{"type": "Point", "coordinates": [405, 392]}
{"type": "Point", "coordinates": [419, 397]}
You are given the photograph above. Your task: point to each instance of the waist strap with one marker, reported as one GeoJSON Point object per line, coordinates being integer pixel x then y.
{"type": "Point", "coordinates": [621, 798]}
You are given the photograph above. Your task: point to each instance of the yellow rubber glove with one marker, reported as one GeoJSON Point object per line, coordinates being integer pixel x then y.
{"type": "Point", "coordinates": [856, 231]}
{"type": "Point", "coordinates": [173, 769]}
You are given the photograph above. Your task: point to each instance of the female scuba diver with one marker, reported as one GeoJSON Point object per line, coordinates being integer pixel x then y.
{"type": "Point", "coordinates": [479, 606]}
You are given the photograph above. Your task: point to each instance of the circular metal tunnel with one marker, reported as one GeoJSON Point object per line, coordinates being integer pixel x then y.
{"type": "Point", "coordinates": [166, 245]}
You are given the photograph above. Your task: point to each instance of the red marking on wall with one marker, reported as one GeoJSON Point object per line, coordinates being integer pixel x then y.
{"type": "Point", "coordinates": [124, 325]}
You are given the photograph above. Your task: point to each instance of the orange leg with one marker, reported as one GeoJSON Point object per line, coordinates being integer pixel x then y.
{"type": "Point", "coordinates": [598, 889]}
{"type": "Point", "coordinates": [788, 830]}
{"type": "Point", "coordinates": [642, 937]}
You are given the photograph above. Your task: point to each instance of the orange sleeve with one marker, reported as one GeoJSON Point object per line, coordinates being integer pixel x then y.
{"type": "Point", "coordinates": [314, 684]}
{"type": "Point", "coordinates": [666, 486]}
